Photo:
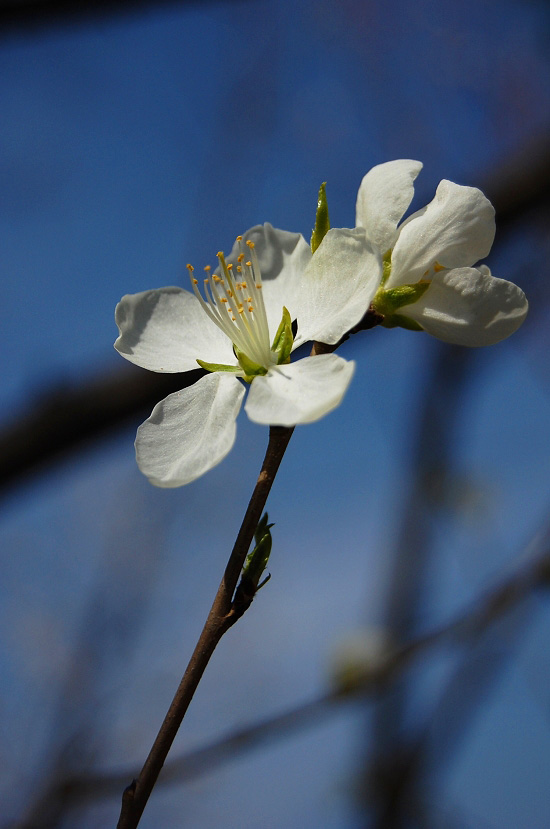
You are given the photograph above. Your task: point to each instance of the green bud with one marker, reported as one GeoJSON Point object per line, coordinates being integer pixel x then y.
{"type": "Point", "coordinates": [262, 528]}
{"type": "Point", "coordinates": [322, 221]}
{"type": "Point", "coordinates": [284, 339]}
{"type": "Point", "coordinates": [256, 561]}
{"type": "Point", "coordinates": [218, 367]}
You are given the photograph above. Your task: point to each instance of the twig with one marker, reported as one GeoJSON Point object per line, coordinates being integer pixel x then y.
{"type": "Point", "coordinates": [223, 614]}
{"type": "Point", "coordinates": [466, 628]}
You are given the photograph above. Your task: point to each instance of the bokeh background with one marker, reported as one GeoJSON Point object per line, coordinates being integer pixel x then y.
{"type": "Point", "coordinates": [140, 137]}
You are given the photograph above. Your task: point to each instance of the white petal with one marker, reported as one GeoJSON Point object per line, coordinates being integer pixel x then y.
{"type": "Point", "coordinates": [299, 392]}
{"type": "Point", "coordinates": [384, 195]}
{"type": "Point", "coordinates": [190, 431]}
{"type": "Point", "coordinates": [337, 286]}
{"type": "Point", "coordinates": [467, 306]}
{"type": "Point", "coordinates": [455, 230]}
{"type": "Point", "coordinates": [167, 330]}
{"type": "Point", "coordinates": [283, 256]}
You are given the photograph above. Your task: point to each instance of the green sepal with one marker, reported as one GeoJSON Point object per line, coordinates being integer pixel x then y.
{"type": "Point", "coordinates": [219, 367]}
{"type": "Point", "coordinates": [386, 267]}
{"type": "Point", "coordinates": [283, 339]}
{"type": "Point", "coordinates": [322, 221]}
{"type": "Point", "coordinates": [256, 560]}
{"type": "Point", "coordinates": [401, 321]}
{"type": "Point", "coordinates": [250, 368]}
{"type": "Point", "coordinates": [388, 302]}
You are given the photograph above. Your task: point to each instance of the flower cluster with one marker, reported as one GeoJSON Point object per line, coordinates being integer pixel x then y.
{"type": "Point", "coordinates": [271, 295]}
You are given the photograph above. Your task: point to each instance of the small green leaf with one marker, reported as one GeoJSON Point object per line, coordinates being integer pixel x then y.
{"type": "Point", "coordinates": [284, 339]}
{"type": "Point", "coordinates": [256, 561]}
{"type": "Point", "coordinates": [250, 368]}
{"type": "Point", "coordinates": [322, 221]}
{"type": "Point", "coordinates": [219, 367]}
{"type": "Point", "coordinates": [401, 321]}
{"type": "Point", "coordinates": [262, 528]}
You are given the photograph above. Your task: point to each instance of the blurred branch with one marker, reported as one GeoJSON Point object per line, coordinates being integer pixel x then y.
{"type": "Point", "coordinates": [517, 188]}
{"type": "Point", "coordinates": [429, 481]}
{"type": "Point", "coordinates": [103, 645]}
{"type": "Point", "coordinates": [72, 416]}
{"type": "Point", "coordinates": [432, 747]}
{"type": "Point", "coordinates": [25, 15]}
{"type": "Point", "coordinates": [521, 184]}
{"type": "Point", "coordinates": [464, 629]}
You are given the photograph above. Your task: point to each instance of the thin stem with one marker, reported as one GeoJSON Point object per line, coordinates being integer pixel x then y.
{"type": "Point", "coordinates": [223, 614]}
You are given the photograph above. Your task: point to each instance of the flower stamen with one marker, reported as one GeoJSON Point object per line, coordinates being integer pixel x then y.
{"type": "Point", "coordinates": [237, 306]}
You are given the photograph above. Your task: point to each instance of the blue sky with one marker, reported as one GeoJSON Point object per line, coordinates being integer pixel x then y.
{"type": "Point", "coordinates": [132, 145]}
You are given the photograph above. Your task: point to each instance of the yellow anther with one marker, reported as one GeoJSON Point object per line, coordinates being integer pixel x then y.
{"type": "Point", "coordinates": [217, 278]}
{"type": "Point", "coordinates": [239, 238]}
{"type": "Point", "coordinates": [195, 281]}
{"type": "Point", "coordinates": [240, 257]}
{"type": "Point", "coordinates": [223, 299]}
{"type": "Point", "coordinates": [240, 310]}
{"type": "Point", "coordinates": [250, 308]}
{"type": "Point", "coordinates": [220, 254]}
{"type": "Point", "coordinates": [239, 269]}
{"type": "Point", "coordinates": [230, 267]}
{"type": "Point", "coordinates": [230, 293]}
{"type": "Point", "coordinates": [250, 244]}
{"type": "Point", "coordinates": [207, 268]}
{"type": "Point", "coordinates": [190, 268]}
{"type": "Point", "coordinates": [249, 299]}
{"type": "Point", "coordinates": [438, 267]}
{"type": "Point", "coordinates": [258, 287]}
{"type": "Point", "coordinates": [248, 264]}
{"type": "Point", "coordinates": [206, 281]}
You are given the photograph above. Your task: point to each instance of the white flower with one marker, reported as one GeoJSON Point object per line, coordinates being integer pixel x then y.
{"type": "Point", "coordinates": [434, 250]}
{"type": "Point", "coordinates": [241, 328]}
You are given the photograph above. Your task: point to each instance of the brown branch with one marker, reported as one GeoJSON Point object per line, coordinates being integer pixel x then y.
{"type": "Point", "coordinates": [223, 614]}
{"type": "Point", "coordinates": [465, 629]}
